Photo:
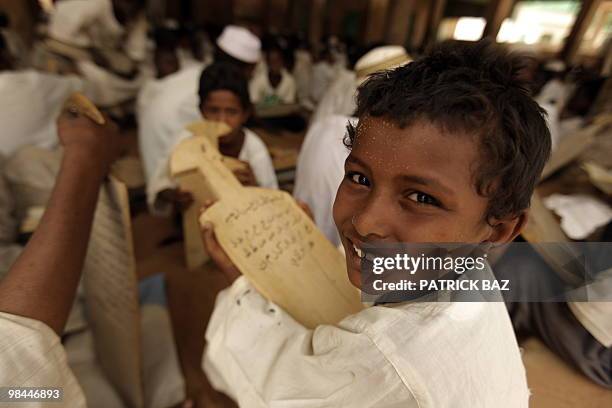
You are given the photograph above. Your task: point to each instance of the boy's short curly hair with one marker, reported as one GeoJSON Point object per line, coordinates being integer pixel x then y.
{"type": "Point", "coordinates": [471, 89]}
{"type": "Point", "coordinates": [223, 76]}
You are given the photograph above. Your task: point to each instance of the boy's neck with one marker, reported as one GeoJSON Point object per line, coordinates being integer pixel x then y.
{"type": "Point", "coordinates": [233, 147]}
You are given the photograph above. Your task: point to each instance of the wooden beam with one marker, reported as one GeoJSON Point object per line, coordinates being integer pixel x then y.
{"type": "Point", "coordinates": [497, 12]}
{"type": "Point", "coordinates": [398, 22]}
{"type": "Point", "coordinates": [315, 31]}
{"type": "Point", "coordinates": [419, 29]}
{"type": "Point", "coordinates": [584, 18]}
{"type": "Point", "coordinates": [376, 21]}
{"type": "Point", "coordinates": [435, 17]}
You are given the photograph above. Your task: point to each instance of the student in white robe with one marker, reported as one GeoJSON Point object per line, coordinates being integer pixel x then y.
{"type": "Point", "coordinates": [302, 72]}
{"type": "Point", "coordinates": [324, 72]}
{"type": "Point", "coordinates": [339, 99]}
{"type": "Point", "coordinates": [113, 32]}
{"type": "Point", "coordinates": [273, 85]}
{"type": "Point", "coordinates": [410, 177]}
{"type": "Point", "coordinates": [320, 169]}
{"type": "Point", "coordinates": [29, 104]}
{"type": "Point", "coordinates": [173, 105]}
{"type": "Point", "coordinates": [224, 97]}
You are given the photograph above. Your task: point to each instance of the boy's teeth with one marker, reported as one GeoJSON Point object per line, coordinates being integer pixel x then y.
{"type": "Point", "coordinates": [358, 251]}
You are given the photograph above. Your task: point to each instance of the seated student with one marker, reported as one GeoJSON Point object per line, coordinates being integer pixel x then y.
{"type": "Point", "coordinates": [224, 97]}
{"type": "Point", "coordinates": [173, 103]}
{"type": "Point", "coordinates": [447, 149]}
{"type": "Point", "coordinates": [105, 41]}
{"type": "Point", "coordinates": [273, 85]}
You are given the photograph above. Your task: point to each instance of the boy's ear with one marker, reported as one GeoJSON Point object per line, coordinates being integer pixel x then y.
{"type": "Point", "coordinates": [506, 230]}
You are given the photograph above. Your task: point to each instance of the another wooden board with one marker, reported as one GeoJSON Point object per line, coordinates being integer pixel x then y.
{"type": "Point", "coordinates": [271, 240]}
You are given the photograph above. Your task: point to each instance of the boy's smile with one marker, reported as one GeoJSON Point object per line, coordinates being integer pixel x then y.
{"type": "Point", "coordinates": [408, 185]}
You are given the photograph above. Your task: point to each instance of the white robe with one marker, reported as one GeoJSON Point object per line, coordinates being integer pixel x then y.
{"type": "Point", "coordinates": [30, 103]}
{"type": "Point", "coordinates": [320, 170]}
{"type": "Point", "coordinates": [164, 108]}
{"type": "Point", "coordinates": [339, 99]}
{"type": "Point", "coordinates": [92, 24]}
{"type": "Point", "coordinates": [302, 72]}
{"type": "Point", "coordinates": [253, 151]}
{"type": "Point", "coordinates": [323, 74]}
{"type": "Point", "coordinates": [401, 355]}
{"type": "Point", "coordinates": [261, 90]}
{"type": "Point", "coordinates": [31, 355]}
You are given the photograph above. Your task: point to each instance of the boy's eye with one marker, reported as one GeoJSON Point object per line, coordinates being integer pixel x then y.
{"type": "Point", "coordinates": [423, 198]}
{"type": "Point", "coordinates": [358, 178]}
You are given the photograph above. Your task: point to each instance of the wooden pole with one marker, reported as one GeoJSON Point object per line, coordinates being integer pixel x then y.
{"type": "Point", "coordinates": [584, 18]}
{"type": "Point", "coordinates": [497, 12]}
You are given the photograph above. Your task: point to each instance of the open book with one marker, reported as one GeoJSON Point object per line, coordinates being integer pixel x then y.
{"type": "Point", "coordinates": [269, 238]}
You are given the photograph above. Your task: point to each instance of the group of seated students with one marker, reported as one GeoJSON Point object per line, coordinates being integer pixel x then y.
{"type": "Point", "coordinates": [447, 148]}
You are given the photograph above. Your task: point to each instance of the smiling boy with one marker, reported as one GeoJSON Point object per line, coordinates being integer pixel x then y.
{"type": "Point", "coordinates": [447, 149]}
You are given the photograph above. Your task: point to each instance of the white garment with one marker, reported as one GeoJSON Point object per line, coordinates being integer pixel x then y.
{"type": "Point", "coordinates": [164, 108]}
{"type": "Point", "coordinates": [402, 355]}
{"type": "Point", "coordinates": [106, 89]}
{"type": "Point", "coordinates": [85, 23]}
{"type": "Point", "coordinates": [339, 99]}
{"type": "Point", "coordinates": [323, 74]}
{"type": "Point", "coordinates": [30, 103]}
{"type": "Point", "coordinates": [261, 90]}
{"type": "Point", "coordinates": [554, 92]}
{"type": "Point", "coordinates": [320, 169]}
{"type": "Point", "coordinates": [31, 355]}
{"type": "Point", "coordinates": [302, 72]}
{"type": "Point", "coordinates": [254, 152]}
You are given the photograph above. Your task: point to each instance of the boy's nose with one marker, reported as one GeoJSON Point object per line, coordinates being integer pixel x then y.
{"type": "Point", "coordinates": [374, 222]}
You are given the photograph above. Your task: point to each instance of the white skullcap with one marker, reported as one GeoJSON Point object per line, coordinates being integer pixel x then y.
{"type": "Point", "coordinates": [381, 58]}
{"type": "Point", "coordinates": [240, 43]}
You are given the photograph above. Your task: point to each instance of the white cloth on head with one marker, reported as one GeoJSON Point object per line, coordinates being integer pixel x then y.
{"type": "Point", "coordinates": [31, 355]}
{"type": "Point", "coordinates": [30, 103]}
{"type": "Point", "coordinates": [320, 169]}
{"type": "Point", "coordinates": [253, 151]}
{"type": "Point", "coordinates": [261, 90]}
{"type": "Point", "coordinates": [339, 99]}
{"type": "Point", "coordinates": [461, 354]}
{"type": "Point", "coordinates": [240, 43]}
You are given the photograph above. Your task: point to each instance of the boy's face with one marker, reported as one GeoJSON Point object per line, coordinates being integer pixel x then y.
{"type": "Point", "coordinates": [166, 63]}
{"type": "Point", "coordinates": [275, 62]}
{"type": "Point", "coordinates": [411, 185]}
{"type": "Point", "coordinates": [224, 106]}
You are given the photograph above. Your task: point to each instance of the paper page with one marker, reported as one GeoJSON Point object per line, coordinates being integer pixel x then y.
{"type": "Point", "coordinates": [580, 214]}
{"type": "Point", "coordinates": [111, 288]}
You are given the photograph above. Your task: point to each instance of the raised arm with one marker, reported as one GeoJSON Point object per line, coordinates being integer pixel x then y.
{"type": "Point", "coordinates": [42, 283]}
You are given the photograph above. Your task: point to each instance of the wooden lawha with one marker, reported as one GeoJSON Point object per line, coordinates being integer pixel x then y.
{"type": "Point", "coordinates": [269, 238]}
{"type": "Point", "coordinates": [190, 152]}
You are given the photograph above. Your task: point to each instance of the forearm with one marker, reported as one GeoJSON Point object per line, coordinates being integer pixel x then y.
{"type": "Point", "coordinates": [41, 284]}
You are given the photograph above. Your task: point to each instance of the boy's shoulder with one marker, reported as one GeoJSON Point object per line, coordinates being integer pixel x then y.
{"type": "Point", "coordinates": [450, 354]}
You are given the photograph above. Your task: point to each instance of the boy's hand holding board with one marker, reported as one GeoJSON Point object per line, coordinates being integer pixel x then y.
{"type": "Point", "coordinates": [267, 237]}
